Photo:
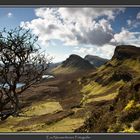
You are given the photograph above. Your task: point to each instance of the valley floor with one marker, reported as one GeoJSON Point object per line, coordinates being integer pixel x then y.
{"type": "Point", "coordinates": [83, 101]}
{"type": "Point", "coordinates": [50, 106]}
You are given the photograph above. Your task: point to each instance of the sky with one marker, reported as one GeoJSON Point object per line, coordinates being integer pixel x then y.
{"type": "Point", "coordinates": [65, 31]}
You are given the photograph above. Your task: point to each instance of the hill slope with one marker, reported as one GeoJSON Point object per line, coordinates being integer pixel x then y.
{"type": "Point", "coordinates": [76, 61]}
{"type": "Point", "coordinates": [114, 91]}
{"type": "Point", "coordinates": [126, 52]}
{"type": "Point", "coordinates": [53, 65]}
{"type": "Point", "coordinates": [72, 64]}
{"type": "Point", "coordinates": [95, 60]}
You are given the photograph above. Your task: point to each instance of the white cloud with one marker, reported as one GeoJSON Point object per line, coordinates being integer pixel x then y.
{"type": "Point", "coordinates": [106, 51]}
{"type": "Point", "coordinates": [89, 28]}
{"type": "Point", "coordinates": [9, 15]}
{"type": "Point", "coordinates": [132, 24]}
{"type": "Point", "coordinates": [126, 37]}
{"type": "Point", "coordinates": [73, 25]}
{"type": "Point", "coordinates": [129, 22]}
{"type": "Point", "coordinates": [138, 15]}
{"type": "Point", "coordinates": [84, 50]}
{"type": "Point", "coordinates": [86, 13]}
{"type": "Point", "coordinates": [59, 57]}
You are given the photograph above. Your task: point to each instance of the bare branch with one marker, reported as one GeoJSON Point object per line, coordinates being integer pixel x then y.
{"type": "Point", "coordinates": [20, 62]}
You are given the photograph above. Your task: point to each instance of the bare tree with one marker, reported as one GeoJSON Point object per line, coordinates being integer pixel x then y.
{"type": "Point", "coordinates": [20, 62]}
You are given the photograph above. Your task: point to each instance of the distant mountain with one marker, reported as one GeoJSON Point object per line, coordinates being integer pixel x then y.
{"type": "Point", "coordinates": [53, 65]}
{"type": "Point", "coordinates": [72, 64]}
{"type": "Point", "coordinates": [77, 62]}
{"type": "Point", "coordinates": [95, 60]}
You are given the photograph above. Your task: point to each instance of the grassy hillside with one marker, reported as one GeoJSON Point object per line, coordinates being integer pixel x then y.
{"type": "Point", "coordinates": [50, 106]}
{"type": "Point", "coordinates": [62, 70]}
{"type": "Point", "coordinates": [72, 64]}
{"type": "Point", "coordinates": [114, 93]}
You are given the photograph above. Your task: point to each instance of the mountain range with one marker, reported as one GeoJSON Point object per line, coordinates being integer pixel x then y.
{"type": "Point", "coordinates": [78, 62]}
{"type": "Point", "coordinates": [75, 62]}
{"type": "Point", "coordinates": [95, 60]}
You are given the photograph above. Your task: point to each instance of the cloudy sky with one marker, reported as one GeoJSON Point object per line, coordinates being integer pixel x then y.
{"type": "Point", "coordinates": [82, 31]}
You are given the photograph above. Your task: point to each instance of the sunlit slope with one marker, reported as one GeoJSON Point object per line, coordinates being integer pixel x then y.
{"type": "Point", "coordinates": [44, 116]}
{"type": "Point", "coordinates": [114, 91]}
{"type": "Point", "coordinates": [49, 106]}
{"type": "Point", "coordinates": [72, 64]}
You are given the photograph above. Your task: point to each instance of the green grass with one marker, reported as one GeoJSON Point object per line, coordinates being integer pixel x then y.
{"type": "Point", "coordinates": [133, 64]}
{"type": "Point", "coordinates": [30, 128]}
{"type": "Point", "coordinates": [42, 108]}
{"type": "Point", "coordinates": [122, 128]}
{"type": "Point", "coordinates": [7, 125]}
{"type": "Point", "coordinates": [102, 98]}
{"type": "Point", "coordinates": [130, 105]}
{"type": "Point", "coordinates": [37, 109]}
{"type": "Point", "coordinates": [129, 130]}
{"type": "Point", "coordinates": [93, 88]}
{"type": "Point", "coordinates": [65, 125]}
{"type": "Point", "coordinates": [61, 70]}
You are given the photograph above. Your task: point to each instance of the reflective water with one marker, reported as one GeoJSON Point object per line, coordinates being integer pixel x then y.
{"type": "Point", "coordinates": [19, 85]}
